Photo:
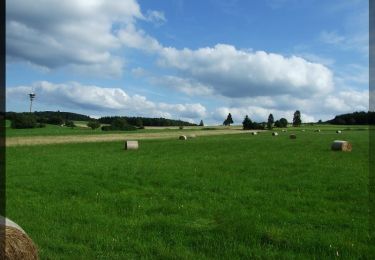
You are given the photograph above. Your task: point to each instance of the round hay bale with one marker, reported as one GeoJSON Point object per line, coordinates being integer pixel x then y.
{"type": "Point", "coordinates": [254, 133]}
{"type": "Point", "coordinates": [283, 130]}
{"type": "Point", "coordinates": [293, 136]}
{"type": "Point", "coordinates": [182, 137]}
{"type": "Point", "coordinates": [338, 132]}
{"type": "Point", "coordinates": [317, 130]}
{"type": "Point", "coordinates": [18, 245]}
{"type": "Point", "coordinates": [339, 145]}
{"type": "Point", "coordinates": [275, 134]}
{"type": "Point", "coordinates": [131, 145]}
{"type": "Point", "coordinates": [303, 130]}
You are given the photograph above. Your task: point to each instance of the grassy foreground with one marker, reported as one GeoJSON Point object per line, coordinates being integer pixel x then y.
{"type": "Point", "coordinates": [226, 197]}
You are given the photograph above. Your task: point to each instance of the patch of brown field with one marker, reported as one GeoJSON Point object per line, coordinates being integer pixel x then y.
{"type": "Point", "coordinates": [42, 140]}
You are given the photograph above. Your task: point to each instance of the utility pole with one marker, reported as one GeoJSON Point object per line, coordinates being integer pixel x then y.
{"type": "Point", "coordinates": [32, 96]}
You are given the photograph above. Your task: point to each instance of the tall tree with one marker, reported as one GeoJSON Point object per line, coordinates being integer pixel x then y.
{"type": "Point", "coordinates": [201, 123]}
{"type": "Point", "coordinates": [283, 122]}
{"type": "Point", "coordinates": [297, 118]}
{"type": "Point", "coordinates": [270, 121]}
{"type": "Point", "coordinates": [247, 123]}
{"type": "Point", "coordinates": [229, 120]}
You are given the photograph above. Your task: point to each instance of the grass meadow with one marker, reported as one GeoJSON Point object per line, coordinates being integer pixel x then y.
{"type": "Point", "coordinates": [214, 197]}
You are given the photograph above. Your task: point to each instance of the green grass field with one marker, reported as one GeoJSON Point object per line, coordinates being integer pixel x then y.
{"type": "Point", "coordinates": [218, 197]}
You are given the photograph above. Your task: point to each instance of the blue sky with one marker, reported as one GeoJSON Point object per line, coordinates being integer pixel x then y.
{"type": "Point", "coordinates": [190, 60]}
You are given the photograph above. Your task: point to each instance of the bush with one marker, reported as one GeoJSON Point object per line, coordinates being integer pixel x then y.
{"type": "Point", "coordinates": [93, 124]}
{"type": "Point", "coordinates": [106, 128]}
{"type": "Point", "coordinates": [69, 123]}
{"type": "Point", "coordinates": [119, 124]}
{"type": "Point", "coordinates": [40, 125]}
{"type": "Point", "coordinates": [55, 120]}
{"type": "Point", "coordinates": [181, 127]}
{"type": "Point", "coordinates": [21, 121]}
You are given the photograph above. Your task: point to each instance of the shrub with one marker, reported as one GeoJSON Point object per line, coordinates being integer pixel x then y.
{"type": "Point", "coordinates": [21, 121]}
{"type": "Point", "coordinates": [69, 123]}
{"type": "Point", "coordinates": [181, 127]}
{"type": "Point", "coordinates": [93, 124]}
{"type": "Point", "coordinates": [55, 120]}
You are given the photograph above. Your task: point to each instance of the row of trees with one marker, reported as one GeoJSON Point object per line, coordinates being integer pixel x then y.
{"type": "Point", "coordinates": [249, 124]}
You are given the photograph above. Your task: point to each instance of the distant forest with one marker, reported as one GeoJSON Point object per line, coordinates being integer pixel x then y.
{"type": "Point", "coordinates": [356, 118]}
{"type": "Point", "coordinates": [46, 116]}
{"type": "Point", "coordinates": [146, 121]}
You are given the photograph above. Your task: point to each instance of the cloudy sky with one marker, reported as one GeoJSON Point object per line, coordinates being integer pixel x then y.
{"type": "Point", "coordinates": [189, 59]}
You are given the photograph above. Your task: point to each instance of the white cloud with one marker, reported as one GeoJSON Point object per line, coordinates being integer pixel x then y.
{"type": "Point", "coordinates": [238, 73]}
{"type": "Point", "coordinates": [358, 41]}
{"type": "Point", "coordinates": [99, 99]}
{"type": "Point", "coordinates": [157, 17]}
{"type": "Point", "coordinates": [184, 85]}
{"type": "Point", "coordinates": [74, 34]}
{"type": "Point", "coordinates": [132, 37]}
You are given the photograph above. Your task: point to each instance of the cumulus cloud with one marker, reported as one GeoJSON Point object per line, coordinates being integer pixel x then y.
{"type": "Point", "coordinates": [238, 73]}
{"type": "Point", "coordinates": [97, 99]}
{"type": "Point", "coordinates": [78, 34]}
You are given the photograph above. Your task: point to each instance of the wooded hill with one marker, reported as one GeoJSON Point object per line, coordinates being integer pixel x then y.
{"type": "Point", "coordinates": [356, 118]}
{"type": "Point", "coordinates": [52, 116]}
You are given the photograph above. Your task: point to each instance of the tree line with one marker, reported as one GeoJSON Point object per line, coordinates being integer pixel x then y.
{"type": "Point", "coordinates": [248, 124]}
{"type": "Point", "coordinates": [40, 119]}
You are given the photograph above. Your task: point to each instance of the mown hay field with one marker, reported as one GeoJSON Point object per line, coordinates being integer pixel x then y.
{"type": "Point", "coordinates": [226, 197]}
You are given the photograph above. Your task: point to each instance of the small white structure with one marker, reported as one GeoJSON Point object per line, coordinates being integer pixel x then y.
{"type": "Point", "coordinates": [131, 145]}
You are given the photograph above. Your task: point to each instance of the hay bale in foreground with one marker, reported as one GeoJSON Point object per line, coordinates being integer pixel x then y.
{"type": "Point", "coordinates": [182, 137]}
{"type": "Point", "coordinates": [254, 133]}
{"type": "Point", "coordinates": [131, 145]}
{"type": "Point", "coordinates": [18, 245]}
{"type": "Point", "coordinates": [293, 136]}
{"type": "Point", "coordinates": [275, 134]}
{"type": "Point", "coordinates": [339, 145]}
{"type": "Point", "coordinates": [338, 132]}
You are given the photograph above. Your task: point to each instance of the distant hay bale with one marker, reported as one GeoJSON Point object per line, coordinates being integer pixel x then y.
{"type": "Point", "coordinates": [18, 245]}
{"type": "Point", "coordinates": [284, 130]}
{"type": "Point", "coordinates": [254, 133]}
{"type": "Point", "coordinates": [339, 145]}
{"type": "Point", "coordinates": [293, 136]}
{"type": "Point", "coordinates": [275, 134]}
{"type": "Point", "coordinates": [317, 130]}
{"type": "Point", "coordinates": [338, 132]}
{"type": "Point", "coordinates": [303, 130]}
{"type": "Point", "coordinates": [182, 137]}
{"type": "Point", "coordinates": [131, 145]}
